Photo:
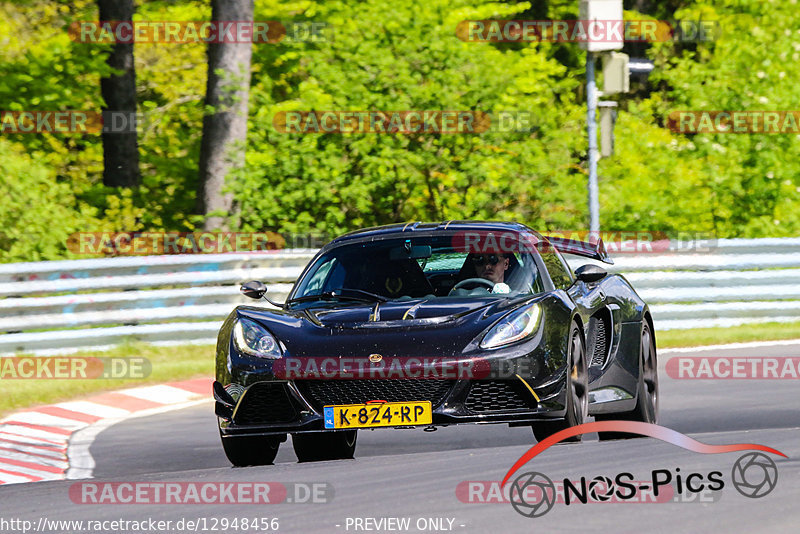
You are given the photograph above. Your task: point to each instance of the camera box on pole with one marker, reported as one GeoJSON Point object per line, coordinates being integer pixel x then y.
{"type": "Point", "coordinates": [598, 16]}
{"type": "Point", "coordinates": [616, 75]}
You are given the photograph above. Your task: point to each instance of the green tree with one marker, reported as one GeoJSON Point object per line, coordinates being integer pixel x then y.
{"type": "Point", "coordinates": [410, 60]}
{"type": "Point", "coordinates": [37, 214]}
{"type": "Point", "coordinates": [749, 182]}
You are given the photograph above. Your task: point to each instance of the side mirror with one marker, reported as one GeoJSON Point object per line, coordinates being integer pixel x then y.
{"type": "Point", "coordinates": [590, 273]}
{"type": "Point", "coordinates": [253, 289]}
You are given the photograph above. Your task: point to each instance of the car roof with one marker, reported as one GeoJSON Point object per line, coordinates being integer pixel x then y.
{"type": "Point", "coordinates": [431, 228]}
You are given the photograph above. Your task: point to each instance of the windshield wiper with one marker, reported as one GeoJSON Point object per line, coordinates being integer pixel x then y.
{"type": "Point", "coordinates": [327, 295]}
{"type": "Point", "coordinates": [372, 296]}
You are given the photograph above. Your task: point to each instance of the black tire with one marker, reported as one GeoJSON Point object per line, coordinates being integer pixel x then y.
{"type": "Point", "coordinates": [577, 388]}
{"type": "Point", "coordinates": [646, 409]}
{"type": "Point", "coordinates": [251, 450]}
{"type": "Point", "coordinates": [320, 446]}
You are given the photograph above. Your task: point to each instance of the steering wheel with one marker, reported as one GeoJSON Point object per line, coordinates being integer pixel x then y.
{"type": "Point", "coordinates": [479, 281]}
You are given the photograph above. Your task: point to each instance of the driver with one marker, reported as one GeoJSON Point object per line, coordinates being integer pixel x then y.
{"type": "Point", "coordinates": [492, 267]}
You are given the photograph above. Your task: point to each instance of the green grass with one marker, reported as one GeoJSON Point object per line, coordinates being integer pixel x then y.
{"type": "Point", "coordinates": [192, 361]}
{"type": "Point", "coordinates": [736, 334]}
{"type": "Point", "coordinates": [168, 364]}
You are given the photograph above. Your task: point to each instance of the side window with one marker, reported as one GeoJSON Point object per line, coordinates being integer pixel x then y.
{"type": "Point", "coordinates": [559, 271]}
{"type": "Point", "coordinates": [525, 276]}
{"type": "Point", "coordinates": [317, 281]}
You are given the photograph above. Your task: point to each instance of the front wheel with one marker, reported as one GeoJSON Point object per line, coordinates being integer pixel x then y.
{"type": "Point", "coordinates": [646, 409]}
{"type": "Point", "coordinates": [251, 450]}
{"type": "Point", "coordinates": [319, 446]}
{"type": "Point", "coordinates": [577, 390]}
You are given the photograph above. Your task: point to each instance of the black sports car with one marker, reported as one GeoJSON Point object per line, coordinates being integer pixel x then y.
{"type": "Point", "coordinates": [433, 324]}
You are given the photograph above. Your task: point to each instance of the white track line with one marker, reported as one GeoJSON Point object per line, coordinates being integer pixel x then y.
{"type": "Point", "coordinates": [81, 462]}
{"type": "Point", "coordinates": [69, 453]}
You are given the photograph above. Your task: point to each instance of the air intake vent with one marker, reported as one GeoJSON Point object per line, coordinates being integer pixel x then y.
{"type": "Point", "coordinates": [498, 395]}
{"type": "Point", "coordinates": [265, 403]}
{"type": "Point", "coordinates": [599, 332]}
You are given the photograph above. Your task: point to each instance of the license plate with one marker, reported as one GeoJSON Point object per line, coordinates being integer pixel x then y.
{"type": "Point", "coordinates": [374, 415]}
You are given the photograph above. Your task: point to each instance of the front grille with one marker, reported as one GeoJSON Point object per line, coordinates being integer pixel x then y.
{"type": "Point", "coordinates": [265, 403]}
{"type": "Point", "coordinates": [497, 395]}
{"type": "Point", "coordinates": [328, 392]}
{"type": "Point", "coordinates": [599, 347]}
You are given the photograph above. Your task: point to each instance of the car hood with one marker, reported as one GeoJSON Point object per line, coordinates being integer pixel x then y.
{"type": "Point", "coordinates": [423, 328]}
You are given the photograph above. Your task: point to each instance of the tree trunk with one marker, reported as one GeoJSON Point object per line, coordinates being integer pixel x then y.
{"type": "Point", "coordinates": [120, 149]}
{"type": "Point", "coordinates": [222, 149]}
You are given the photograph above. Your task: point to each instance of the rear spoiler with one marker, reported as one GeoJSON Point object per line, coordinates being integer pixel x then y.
{"type": "Point", "coordinates": [594, 250]}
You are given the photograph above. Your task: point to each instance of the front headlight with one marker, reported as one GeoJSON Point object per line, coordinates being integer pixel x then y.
{"type": "Point", "coordinates": [514, 327]}
{"type": "Point", "coordinates": [251, 338]}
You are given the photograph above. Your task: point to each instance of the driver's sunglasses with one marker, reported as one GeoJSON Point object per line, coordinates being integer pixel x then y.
{"type": "Point", "coordinates": [481, 259]}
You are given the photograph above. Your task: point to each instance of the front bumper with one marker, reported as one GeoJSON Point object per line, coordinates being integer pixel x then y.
{"type": "Point", "coordinates": [292, 406]}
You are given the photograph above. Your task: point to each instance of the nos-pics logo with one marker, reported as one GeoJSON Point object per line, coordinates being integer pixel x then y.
{"type": "Point", "coordinates": [533, 494]}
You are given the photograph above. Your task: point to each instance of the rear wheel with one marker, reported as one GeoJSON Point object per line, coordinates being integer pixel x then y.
{"type": "Point", "coordinates": [577, 403]}
{"type": "Point", "coordinates": [646, 410]}
{"type": "Point", "coordinates": [251, 450]}
{"type": "Point", "coordinates": [319, 446]}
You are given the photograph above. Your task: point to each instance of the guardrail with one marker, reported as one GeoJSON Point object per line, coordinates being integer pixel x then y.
{"type": "Point", "coordinates": [62, 306]}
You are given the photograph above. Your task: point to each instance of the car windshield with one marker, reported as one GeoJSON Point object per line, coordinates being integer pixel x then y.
{"type": "Point", "coordinates": [420, 267]}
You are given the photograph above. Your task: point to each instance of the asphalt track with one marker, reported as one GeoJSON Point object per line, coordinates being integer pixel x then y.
{"type": "Point", "coordinates": [414, 474]}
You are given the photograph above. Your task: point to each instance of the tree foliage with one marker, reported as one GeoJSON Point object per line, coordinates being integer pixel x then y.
{"type": "Point", "coordinates": [395, 56]}
{"type": "Point", "coordinates": [410, 61]}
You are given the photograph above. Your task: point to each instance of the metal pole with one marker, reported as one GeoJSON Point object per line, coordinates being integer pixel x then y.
{"type": "Point", "coordinates": [591, 120]}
